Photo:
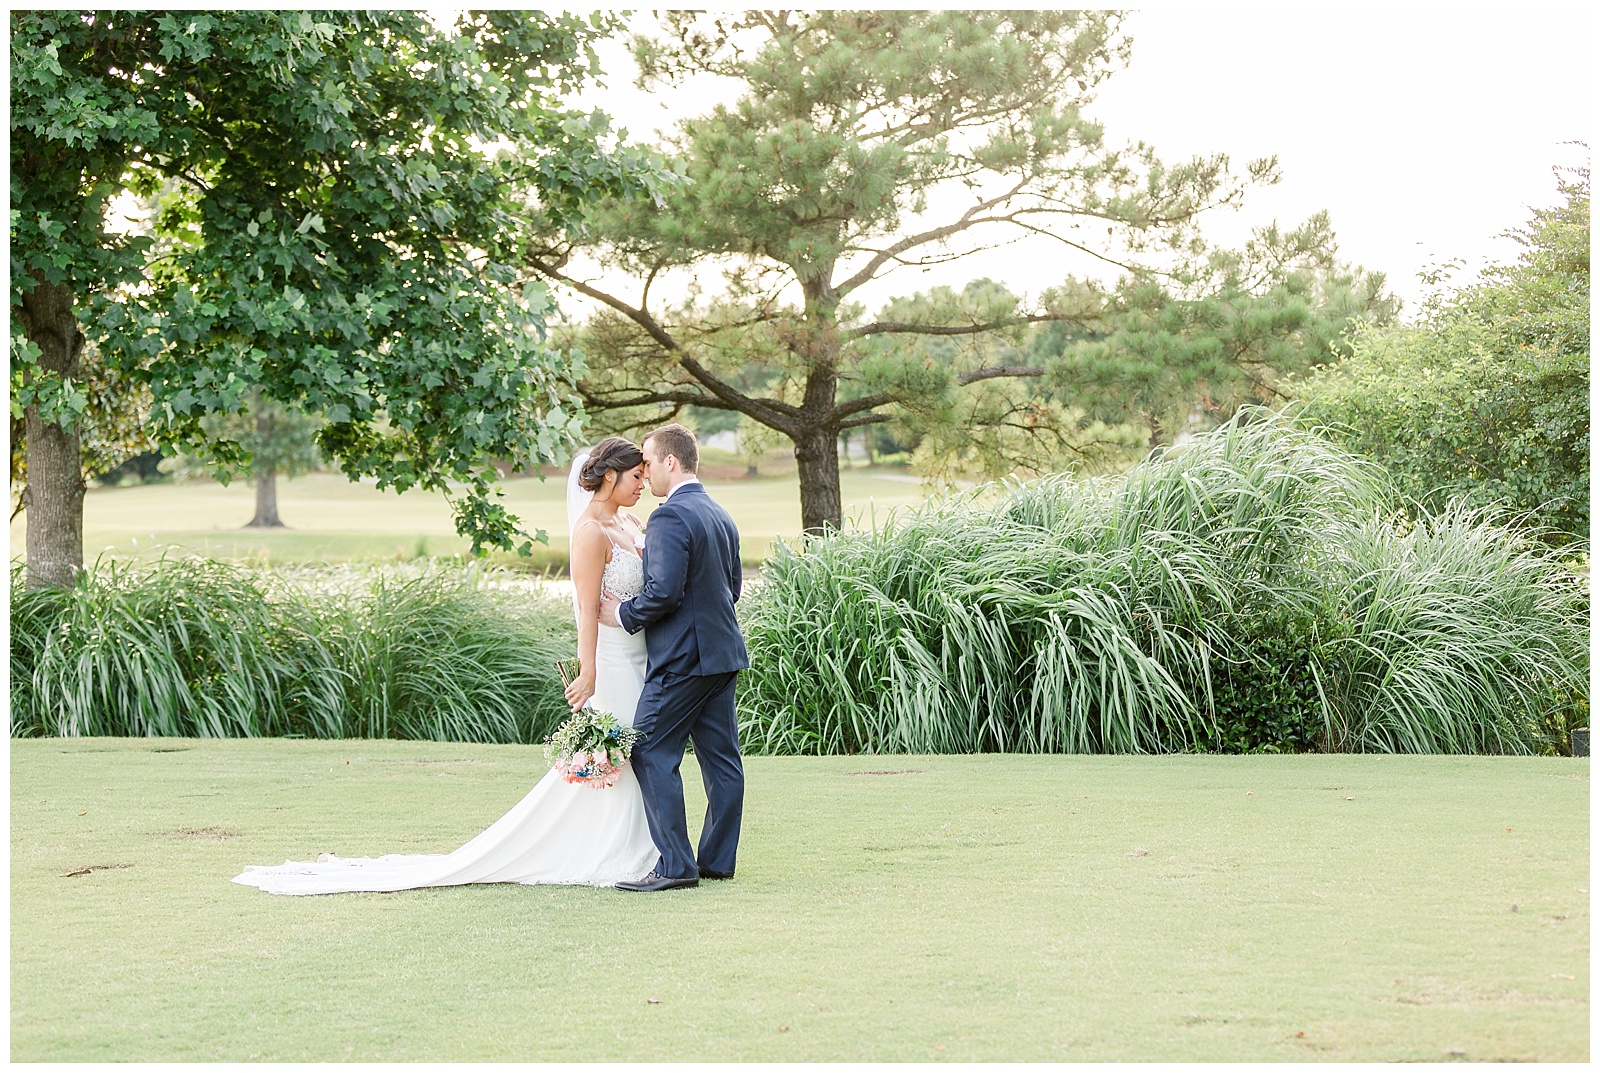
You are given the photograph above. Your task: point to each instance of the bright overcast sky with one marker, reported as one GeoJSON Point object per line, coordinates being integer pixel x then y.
{"type": "Point", "coordinates": [1424, 134]}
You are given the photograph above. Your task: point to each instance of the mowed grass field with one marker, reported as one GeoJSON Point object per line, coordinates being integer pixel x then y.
{"type": "Point", "coordinates": [894, 908]}
{"type": "Point", "coordinates": [331, 518]}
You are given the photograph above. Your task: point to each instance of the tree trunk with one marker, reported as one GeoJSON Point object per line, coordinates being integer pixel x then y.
{"type": "Point", "coordinates": [266, 478]}
{"type": "Point", "coordinates": [54, 494]}
{"type": "Point", "coordinates": [266, 502]}
{"type": "Point", "coordinates": [816, 447]}
{"type": "Point", "coordinates": [817, 454]}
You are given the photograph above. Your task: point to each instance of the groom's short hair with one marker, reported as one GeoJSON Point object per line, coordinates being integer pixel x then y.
{"type": "Point", "coordinates": [679, 442]}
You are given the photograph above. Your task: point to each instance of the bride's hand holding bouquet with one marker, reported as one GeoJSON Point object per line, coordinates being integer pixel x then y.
{"type": "Point", "coordinates": [580, 688]}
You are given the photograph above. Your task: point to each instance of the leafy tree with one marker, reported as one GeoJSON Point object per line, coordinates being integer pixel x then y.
{"type": "Point", "coordinates": [353, 228]}
{"type": "Point", "coordinates": [276, 441]}
{"type": "Point", "coordinates": [1217, 334]}
{"type": "Point", "coordinates": [1487, 396]}
{"type": "Point", "coordinates": [802, 194]}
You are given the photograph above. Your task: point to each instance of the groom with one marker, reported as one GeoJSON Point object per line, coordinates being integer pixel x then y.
{"type": "Point", "coordinates": [691, 581]}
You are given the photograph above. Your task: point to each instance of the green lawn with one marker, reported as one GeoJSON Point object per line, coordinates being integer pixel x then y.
{"type": "Point", "coordinates": [332, 518]}
{"type": "Point", "coordinates": [910, 908]}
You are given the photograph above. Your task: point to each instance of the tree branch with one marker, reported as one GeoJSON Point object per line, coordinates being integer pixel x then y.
{"type": "Point", "coordinates": [949, 256]}
{"type": "Point", "coordinates": [1011, 218]}
{"type": "Point", "coordinates": [883, 257]}
{"type": "Point", "coordinates": [760, 318]}
{"type": "Point", "coordinates": [607, 401]}
{"type": "Point", "coordinates": [969, 220]}
{"type": "Point", "coordinates": [865, 419]}
{"type": "Point", "coordinates": [995, 371]}
{"type": "Point", "coordinates": [883, 398]}
{"type": "Point", "coordinates": [773, 414]}
{"type": "Point", "coordinates": [644, 296]}
{"type": "Point", "coordinates": [888, 327]}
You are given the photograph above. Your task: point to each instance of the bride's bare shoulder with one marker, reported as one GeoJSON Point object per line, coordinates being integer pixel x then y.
{"type": "Point", "coordinates": [589, 539]}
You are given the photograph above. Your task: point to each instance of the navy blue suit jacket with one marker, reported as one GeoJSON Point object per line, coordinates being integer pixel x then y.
{"type": "Point", "coordinates": [691, 582]}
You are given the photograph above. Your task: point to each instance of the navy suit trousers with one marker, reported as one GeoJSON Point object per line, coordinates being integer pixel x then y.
{"type": "Point", "coordinates": [698, 708]}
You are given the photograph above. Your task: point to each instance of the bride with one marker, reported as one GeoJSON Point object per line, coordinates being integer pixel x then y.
{"type": "Point", "coordinates": [560, 832]}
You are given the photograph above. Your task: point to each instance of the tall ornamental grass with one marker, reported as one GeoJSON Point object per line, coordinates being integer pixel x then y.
{"type": "Point", "coordinates": [1458, 635]}
{"type": "Point", "coordinates": [1255, 589]}
{"type": "Point", "coordinates": [198, 648]}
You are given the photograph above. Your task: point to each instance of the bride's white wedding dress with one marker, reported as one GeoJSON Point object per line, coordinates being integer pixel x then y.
{"type": "Point", "coordinates": [561, 832]}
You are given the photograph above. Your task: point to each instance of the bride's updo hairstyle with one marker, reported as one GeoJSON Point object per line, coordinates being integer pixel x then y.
{"type": "Point", "coordinates": [614, 454]}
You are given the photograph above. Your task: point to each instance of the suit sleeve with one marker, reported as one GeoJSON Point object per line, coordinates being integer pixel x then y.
{"type": "Point", "coordinates": [666, 545]}
{"type": "Point", "coordinates": [735, 568]}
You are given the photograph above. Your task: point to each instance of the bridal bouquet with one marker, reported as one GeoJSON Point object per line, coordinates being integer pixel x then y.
{"type": "Point", "coordinates": [591, 747]}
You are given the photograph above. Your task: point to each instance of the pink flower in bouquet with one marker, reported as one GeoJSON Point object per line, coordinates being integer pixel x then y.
{"type": "Point", "coordinates": [580, 759]}
{"type": "Point", "coordinates": [601, 758]}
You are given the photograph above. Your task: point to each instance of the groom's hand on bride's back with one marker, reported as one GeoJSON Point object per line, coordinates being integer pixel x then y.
{"type": "Point", "coordinates": [608, 610]}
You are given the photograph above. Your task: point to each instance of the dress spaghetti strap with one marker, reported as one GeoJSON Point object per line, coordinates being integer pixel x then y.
{"type": "Point", "coordinates": [603, 532]}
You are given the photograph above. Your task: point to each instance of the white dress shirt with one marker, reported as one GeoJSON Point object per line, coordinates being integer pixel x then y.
{"type": "Point", "coordinates": [691, 479]}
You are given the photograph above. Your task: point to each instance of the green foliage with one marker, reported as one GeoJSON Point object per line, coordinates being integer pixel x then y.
{"type": "Point", "coordinates": [1487, 397]}
{"type": "Point", "coordinates": [1461, 634]}
{"type": "Point", "coordinates": [1255, 590]}
{"type": "Point", "coordinates": [198, 648]}
{"type": "Point", "coordinates": [1219, 333]}
{"type": "Point", "coordinates": [443, 658]}
{"type": "Point", "coordinates": [201, 652]}
{"type": "Point", "coordinates": [960, 423]}
{"type": "Point", "coordinates": [1268, 700]}
{"type": "Point", "coordinates": [343, 231]}
{"type": "Point", "coordinates": [1247, 591]}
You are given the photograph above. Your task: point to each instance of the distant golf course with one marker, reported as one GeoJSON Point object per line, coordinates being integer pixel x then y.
{"type": "Point", "coordinates": [330, 518]}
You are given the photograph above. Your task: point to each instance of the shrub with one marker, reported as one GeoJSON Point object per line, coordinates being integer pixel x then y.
{"type": "Point", "coordinates": [199, 648]}
{"type": "Point", "coordinates": [1486, 398]}
{"type": "Point", "coordinates": [1460, 635]}
{"type": "Point", "coordinates": [440, 657]}
{"type": "Point", "coordinates": [1269, 701]}
{"type": "Point", "coordinates": [1254, 589]}
{"type": "Point", "coordinates": [194, 648]}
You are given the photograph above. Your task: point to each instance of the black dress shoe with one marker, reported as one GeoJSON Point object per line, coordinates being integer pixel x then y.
{"type": "Point", "coordinates": [706, 873]}
{"type": "Point", "coordinates": [655, 881]}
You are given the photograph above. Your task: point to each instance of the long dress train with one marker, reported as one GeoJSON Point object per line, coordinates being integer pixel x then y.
{"type": "Point", "coordinates": [560, 832]}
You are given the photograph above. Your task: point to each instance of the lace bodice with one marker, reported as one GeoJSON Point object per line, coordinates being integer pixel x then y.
{"type": "Point", "coordinates": [624, 574]}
